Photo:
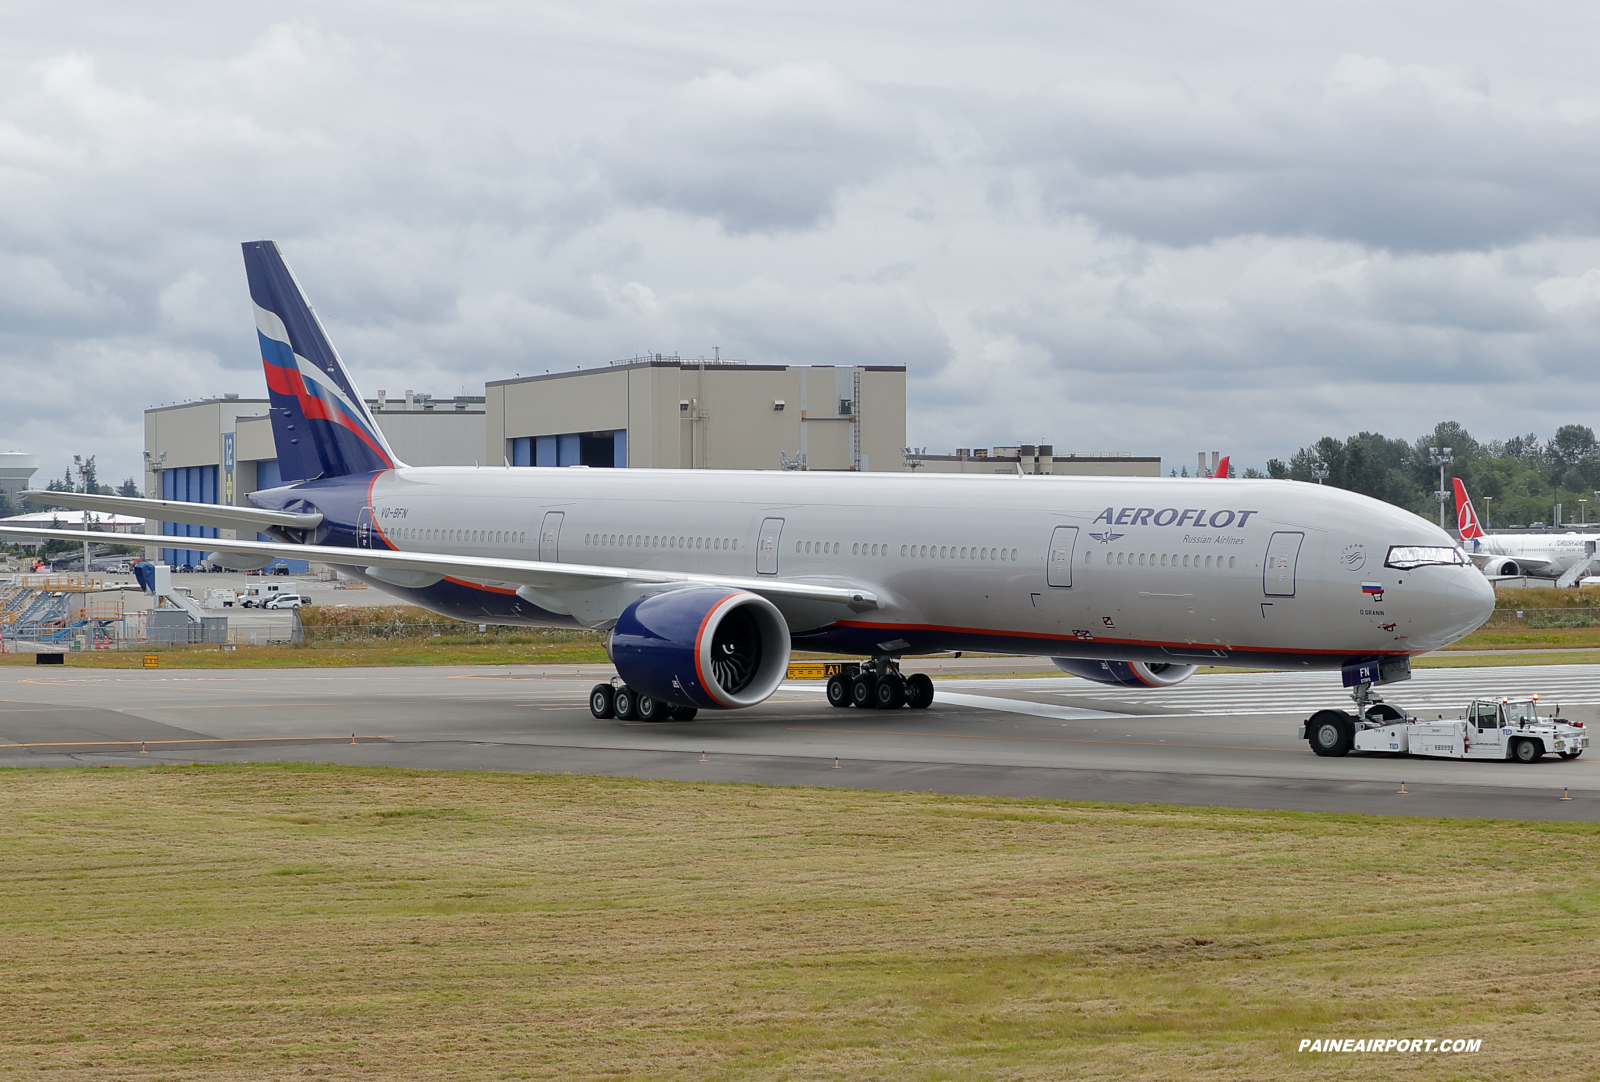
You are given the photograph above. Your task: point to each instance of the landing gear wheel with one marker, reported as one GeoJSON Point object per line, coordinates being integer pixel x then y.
{"type": "Point", "coordinates": [647, 709]}
{"type": "Point", "coordinates": [1383, 712]}
{"type": "Point", "coordinates": [889, 692]}
{"type": "Point", "coordinates": [600, 701]}
{"type": "Point", "coordinates": [626, 701]}
{"type": "Point", "coordinates": [684, 713]}
{"type": "Point", "coordinates": [838, 690]}
{"type": "Point", "coordinates": [861, 692]}
{"type": "Point", "coordinates": [1527, 751]}
{"type": "Point", "coordinates": [1570, 754]}
{"type": "Point", "coordinates": [919, 691]}
{"type": "Point", "coordinates": [1330, 732]}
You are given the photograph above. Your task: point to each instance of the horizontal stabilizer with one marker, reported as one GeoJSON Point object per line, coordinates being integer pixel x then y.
{"type": "Point", "coordinates": [219, 516]}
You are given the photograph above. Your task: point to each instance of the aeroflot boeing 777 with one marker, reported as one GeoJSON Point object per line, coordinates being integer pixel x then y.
{"type": "Point", "coordinates": [705, 579]}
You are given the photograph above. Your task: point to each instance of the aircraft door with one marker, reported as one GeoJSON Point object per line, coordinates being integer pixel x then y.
{"type": "Point", "coordinates": [1283, 555]}
{"type": "Point", "coordinates": [364, 529]}
{"type": "Point", "coordinates": [550, 537]}
{"type": "Point", "coordinates": [767, 546]}
{"type": "Point", "coordinates": [1063, 544]}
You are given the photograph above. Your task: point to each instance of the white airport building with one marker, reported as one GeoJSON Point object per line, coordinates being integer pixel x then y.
{"type": "Point", "coordinates": [16, 474]}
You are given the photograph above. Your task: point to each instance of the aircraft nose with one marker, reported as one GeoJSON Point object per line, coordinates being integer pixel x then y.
{"type": "Point", "coordinates": [1451, 603]}
{"type": "Point", "coordinates": [1471, 597]}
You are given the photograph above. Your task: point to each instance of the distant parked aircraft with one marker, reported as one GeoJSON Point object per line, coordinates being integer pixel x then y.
{"type": "Point", "coordinates": [1543, 555]}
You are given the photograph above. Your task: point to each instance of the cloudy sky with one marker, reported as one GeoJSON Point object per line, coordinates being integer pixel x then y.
{"type": "Point", "coordinates": [1142, 226]}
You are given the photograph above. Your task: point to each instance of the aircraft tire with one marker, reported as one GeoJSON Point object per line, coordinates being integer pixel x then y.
{"type": "Point", "coordinates": [625, 702]}
{"type": "Point", "coordinates": [647, 709]}
{"type": "Point", "coordinates": [839, 691]}
{"type": "Point", "coordinates": [601, 703]}
{"type": "Point", "coordinates": [889, 692]}
{"type": "Point", "coordinates": [919, 691]}
{"type": "Point", "coordinates": [1527, 751]}
{"type": "Point", "coordinates": [684, 713]}
{"type": "Point", "coordinates": [1330, 733]}
{"type": "Point", "coordinates": [1384, 712]}
{"type": "Point", "coordinates": [1570, 754]}
{"type": "Point", "coordinates": [861, 692]}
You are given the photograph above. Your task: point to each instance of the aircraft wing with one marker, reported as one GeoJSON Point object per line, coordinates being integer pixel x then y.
{"type": "Point", "coordinates": [219, 516]}
{"type": "Point", "coordinates": [541, 579]}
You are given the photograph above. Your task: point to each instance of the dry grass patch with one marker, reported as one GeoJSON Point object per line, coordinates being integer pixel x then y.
{"type": "Point", "coordinates": [262, 921]}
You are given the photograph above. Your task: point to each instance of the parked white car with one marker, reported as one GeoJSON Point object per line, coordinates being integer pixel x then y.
{"type": "Point", "coordinates": [287, 601]}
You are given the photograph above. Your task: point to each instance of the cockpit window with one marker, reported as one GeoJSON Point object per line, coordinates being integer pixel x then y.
{"type": "Point", "coordinates": [1405, 557]}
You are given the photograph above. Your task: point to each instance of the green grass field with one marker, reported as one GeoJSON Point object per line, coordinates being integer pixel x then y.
{"type": "Point", "coordinates": [282, 921]}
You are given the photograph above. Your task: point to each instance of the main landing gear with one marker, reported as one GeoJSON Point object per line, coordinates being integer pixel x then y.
{"type": "Point", "coordinates": [878, 685]}
{"type": "Point", "coordinates": [627, 704]}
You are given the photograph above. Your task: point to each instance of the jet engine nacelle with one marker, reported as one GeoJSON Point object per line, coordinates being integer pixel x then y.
{"type": "Point", "coordinates": [239, 561]}
{"type": "Point", "coordinates": [1502, 565]}
{"type": "Point", "coordinates": [1133, 674]}
{"type": "Point", "coordinates": [710, 648]}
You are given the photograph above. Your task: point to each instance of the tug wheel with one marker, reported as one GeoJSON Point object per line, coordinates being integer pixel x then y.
{"type": "Point", "coordinates": [1330, 732]}
{"type": "Point", "coordinates": [1527, 751]}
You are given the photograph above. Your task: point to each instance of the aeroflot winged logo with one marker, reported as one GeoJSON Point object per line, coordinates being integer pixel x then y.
{"type": "Point", "coordinates": [1171, 516]}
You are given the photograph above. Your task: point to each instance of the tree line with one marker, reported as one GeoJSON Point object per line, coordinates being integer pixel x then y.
{"type": "Point", "coordinates": [1512, 482]}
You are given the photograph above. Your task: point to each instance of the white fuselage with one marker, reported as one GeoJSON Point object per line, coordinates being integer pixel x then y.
{"type": "Point", "coordinates": [1540, 554]}
{"type": "Point", "coordinates": [1241, 572]}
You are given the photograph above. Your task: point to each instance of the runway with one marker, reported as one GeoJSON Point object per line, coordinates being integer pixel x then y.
{"type": "Point", "coordinates": [1218, 739]}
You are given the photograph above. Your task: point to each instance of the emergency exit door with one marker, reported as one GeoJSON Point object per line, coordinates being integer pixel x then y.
{"type": "Point", "coordinates": [1063, 543]}
{"type": "Point", "coordinates": [550, 537]}
{"type": "Point", "coordinates": [1283, 554]}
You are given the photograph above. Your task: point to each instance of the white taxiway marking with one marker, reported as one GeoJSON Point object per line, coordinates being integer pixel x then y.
{"type": "Point", "coordinates": [1440, 691]}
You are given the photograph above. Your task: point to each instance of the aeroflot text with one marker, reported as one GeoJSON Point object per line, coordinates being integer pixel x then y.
{"type": "Point", "coordinates": [1382, 1044]}
{"type": "Point", "coordinates": [1171, 516]}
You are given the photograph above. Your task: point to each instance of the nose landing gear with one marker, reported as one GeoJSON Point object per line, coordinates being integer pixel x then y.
{"type": "Point", "coordinates": [879, 685]}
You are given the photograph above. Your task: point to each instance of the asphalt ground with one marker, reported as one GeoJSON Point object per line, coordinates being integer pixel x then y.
{"type": "Point", "coordinates": [1218, 739]}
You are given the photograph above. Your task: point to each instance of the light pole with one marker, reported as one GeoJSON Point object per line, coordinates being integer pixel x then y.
{"type": "Point", "coordinates": [1488, 512]}
{"type": "Point", "coordinates": [1319, 471]}
{"type": "Point", "coordinates": [77, 460]}
{"type": "Point", "coordinates": [1583, 512]}
{"type": "Point", "coordinates": [1441, 457]}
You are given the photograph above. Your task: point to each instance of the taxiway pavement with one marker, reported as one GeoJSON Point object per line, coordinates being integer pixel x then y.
{"type": "Point", "coordinates": [1218, 739]}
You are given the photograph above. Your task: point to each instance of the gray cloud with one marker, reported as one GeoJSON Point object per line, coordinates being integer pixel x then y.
{"type": "Point", "coordinates": [765, 152]}
{"type": "Point", "coordinates": [1218, 236]}
{"type": "Point", "coordinates": [1403, 157]}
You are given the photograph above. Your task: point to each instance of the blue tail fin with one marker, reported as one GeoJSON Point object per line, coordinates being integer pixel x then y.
{"type": "Point", "coordinates": [319, 421]}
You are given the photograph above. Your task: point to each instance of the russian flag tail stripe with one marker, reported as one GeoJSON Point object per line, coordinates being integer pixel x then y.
{"type": "Point", "coordinates": [320, 423]}
{"type": "Point", "coordinates": [1466, 516]}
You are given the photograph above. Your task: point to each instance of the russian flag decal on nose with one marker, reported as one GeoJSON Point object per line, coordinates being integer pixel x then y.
{"type": "Point", "coordinates": [1373, 589]}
